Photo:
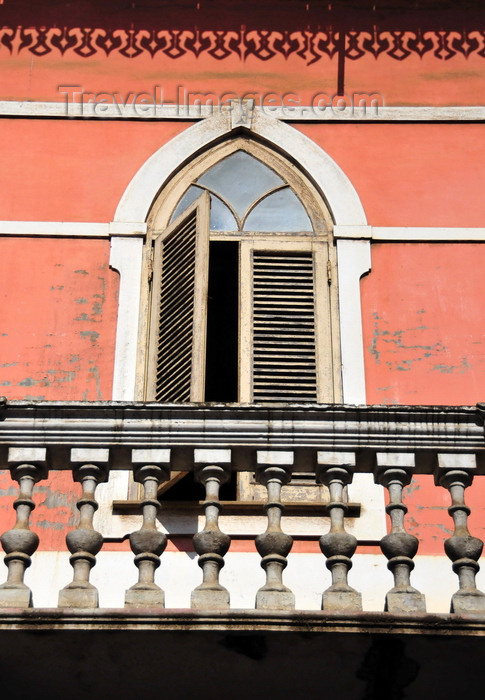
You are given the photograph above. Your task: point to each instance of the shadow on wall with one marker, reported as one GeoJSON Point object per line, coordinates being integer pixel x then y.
{"type": "Point", "coordinates": [312, 31]}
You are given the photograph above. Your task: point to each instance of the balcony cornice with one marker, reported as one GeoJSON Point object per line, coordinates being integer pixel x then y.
{"type": "Point", "coordinates": [304, 428]}
{"type": "Point", "coordinates": [243, 620]}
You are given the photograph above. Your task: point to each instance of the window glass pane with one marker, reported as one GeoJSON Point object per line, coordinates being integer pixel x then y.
{"type": "Point", "coordinates": [186, 200]}
{"type": "Point", "coordinates": [221, 217]}
{"type": "Point", "coordinates": [240, 179]}
{"type": "Point", "coordinates": [280, 211]}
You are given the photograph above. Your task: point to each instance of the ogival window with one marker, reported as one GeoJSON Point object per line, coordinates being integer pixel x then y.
{"type": "Point", "coordinates": [243, 291]}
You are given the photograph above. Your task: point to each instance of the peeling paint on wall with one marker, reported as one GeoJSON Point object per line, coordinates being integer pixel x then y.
{"type": "Point", "coordinates": [92, 335]}
{"type": "Point", "coordinates": [40, 307]}
{"type": "Point", "coordinates": [388, 342]}
{"type": "Point", "coordinates": [424, 330]}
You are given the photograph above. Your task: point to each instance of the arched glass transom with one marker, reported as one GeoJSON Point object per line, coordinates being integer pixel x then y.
{"type": "Point", "coordinates": [246, 195]}
{"type": "Point", "coordinates": [243, 291]}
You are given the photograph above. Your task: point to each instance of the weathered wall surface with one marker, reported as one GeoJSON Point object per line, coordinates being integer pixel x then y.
{"type": "Point", "coordinates": [423, 323]}
{"type": "Point", "coordinates": [58, 315]}
{"type": "Point", "coordinates": [58, 307]}
{"type": "Point", "coordinates": [405, 174]}
{"type": "Point", "coordinates": [422, 310]}
{"type": "Point", "coordinates": [412, 56]}
{"type": "Point", "coordinates": [60, 170]}
{"type": "Point", "coordinates": [424, 344]}
{"type": "Point", "coordinates": [411, 174]}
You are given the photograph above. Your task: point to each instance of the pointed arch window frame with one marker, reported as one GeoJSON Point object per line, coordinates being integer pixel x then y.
{"type": "Point", "coordinates": [257, 183]}
{"type": "Point", "coordinates": [317, 243]}
{"type": "Point", "coordinates": [159, 216]}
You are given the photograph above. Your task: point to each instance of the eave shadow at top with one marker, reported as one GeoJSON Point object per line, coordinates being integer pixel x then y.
{"type": "Point", "coordinates": [219, 15]}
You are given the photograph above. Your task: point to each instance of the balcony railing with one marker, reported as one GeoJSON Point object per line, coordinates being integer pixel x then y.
{"type": "Point", "coordinates": [330, 442]}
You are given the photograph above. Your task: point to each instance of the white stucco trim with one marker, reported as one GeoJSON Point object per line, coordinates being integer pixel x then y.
{"type": "Point", "coordinates": [81, 229]}
{"type": "Point", "coordinates": [335, 186]}
{"type": "Point", "coordinates": [182, 112]}
{"type": "Point", "coordinates": [353, 260]}
{"type": "Point", "coordinates": [333, 183]}
{"type": "Point", "coordinates": [126, 258]}
{"type": "Point", "coordinates": [127, 228]}
{"type": "Point", "coordinates": [430, 234]}
{"type": "Point", "coordinates": [54, 228]}
{"type": "Point", "coordinates": [343, 231]}
{"type": "Point", "coordinates": [371, 113]}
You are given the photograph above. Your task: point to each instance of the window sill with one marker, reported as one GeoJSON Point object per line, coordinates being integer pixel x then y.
{"type": "Point", "coordinates": [302, 509]}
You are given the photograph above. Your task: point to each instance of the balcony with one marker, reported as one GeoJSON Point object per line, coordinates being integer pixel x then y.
{"type": "Point", "coordinates": [334, 445]}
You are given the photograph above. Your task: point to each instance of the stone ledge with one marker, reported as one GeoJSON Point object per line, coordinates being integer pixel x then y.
{"type": "Point", "coordinates": [122, 426]}
{"type": "Point", "coordinates": [180, 620]}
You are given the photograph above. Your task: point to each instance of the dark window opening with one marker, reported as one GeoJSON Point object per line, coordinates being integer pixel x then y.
{"type": "Point", "coordinates": [187, 489]}
{"type": "Point", "coordinates": [222, 323]}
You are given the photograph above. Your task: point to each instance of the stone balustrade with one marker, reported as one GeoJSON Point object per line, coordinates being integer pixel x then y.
{"type": "Point", "coordinates": [330, 443]}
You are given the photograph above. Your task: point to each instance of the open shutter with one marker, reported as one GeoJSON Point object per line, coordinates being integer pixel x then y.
{"type": "Point", "coordinates": [179, 308]}
{"type": "Point", "coordinates": [283, 327]}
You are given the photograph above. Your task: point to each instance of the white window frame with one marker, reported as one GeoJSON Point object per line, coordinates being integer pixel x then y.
{"type": "Point", "coordinates": [319, 243]}
{"type": "Point", "coordinates": [343, 203]}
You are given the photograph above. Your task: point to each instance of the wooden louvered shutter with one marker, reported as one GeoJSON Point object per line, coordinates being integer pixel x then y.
{"type": "Point", "coordinates": [284, 354]}
{"type": "Point", "coordinates": [179, 308]}
{"type": "Point", "coordinates": [286, 326]}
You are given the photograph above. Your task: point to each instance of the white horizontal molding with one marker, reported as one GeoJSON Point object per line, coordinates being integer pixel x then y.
{"type": "Point", "coordinates": [138, 229]}
{"type": "Point", "coordinates": [100, 110]}
{"type": "Point", "coordinates": [127, 228]}
{"type": "Point", "coordinates": [410, 233]}
{"type": "Point", "coordinates": [175, 112]}
{"type": "Point", "coordinates": [75, 229]}
{"type": "Point", "coordinates": [424, 233]}
{"type": "Point", "coordinates": [384, 114]}
{"type": "Point", "coordinates": [54, 228]}
{"type": "Point", "coordinates": [345, 231]}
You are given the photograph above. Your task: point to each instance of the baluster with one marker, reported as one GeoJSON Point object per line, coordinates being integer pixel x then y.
{"type": "Point", "coordinates": [27, 467]}
{"type": "Point", "coordinates": [274, 470]}
{"type": "Point", "coordinates": [90, 467]}
{"type": "Point", "coordinates": [335, 470]}
{"type": "Point", "coordinates": [394, 471]}
{"type": "Point", "coordinates": [211, 544]}
{"type": "Point", "coordinates": [150, 468]}
{"type": "Point", "coordinates": [455, 473]}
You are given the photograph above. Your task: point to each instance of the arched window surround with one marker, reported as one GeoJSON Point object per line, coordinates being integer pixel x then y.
{"type": "Point", "coordinates": [167, 199]}
{"type": "Point", "coordinates": [343, 203]}
{"type": "Point", "coordinates": [318, 250]}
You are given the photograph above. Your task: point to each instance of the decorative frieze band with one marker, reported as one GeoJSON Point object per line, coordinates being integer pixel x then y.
{"type": "Point", "coordinates": [310, 46]}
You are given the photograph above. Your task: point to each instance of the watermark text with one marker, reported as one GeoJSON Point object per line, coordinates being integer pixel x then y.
{"type": "Point", "coordinates": [193, 103]}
